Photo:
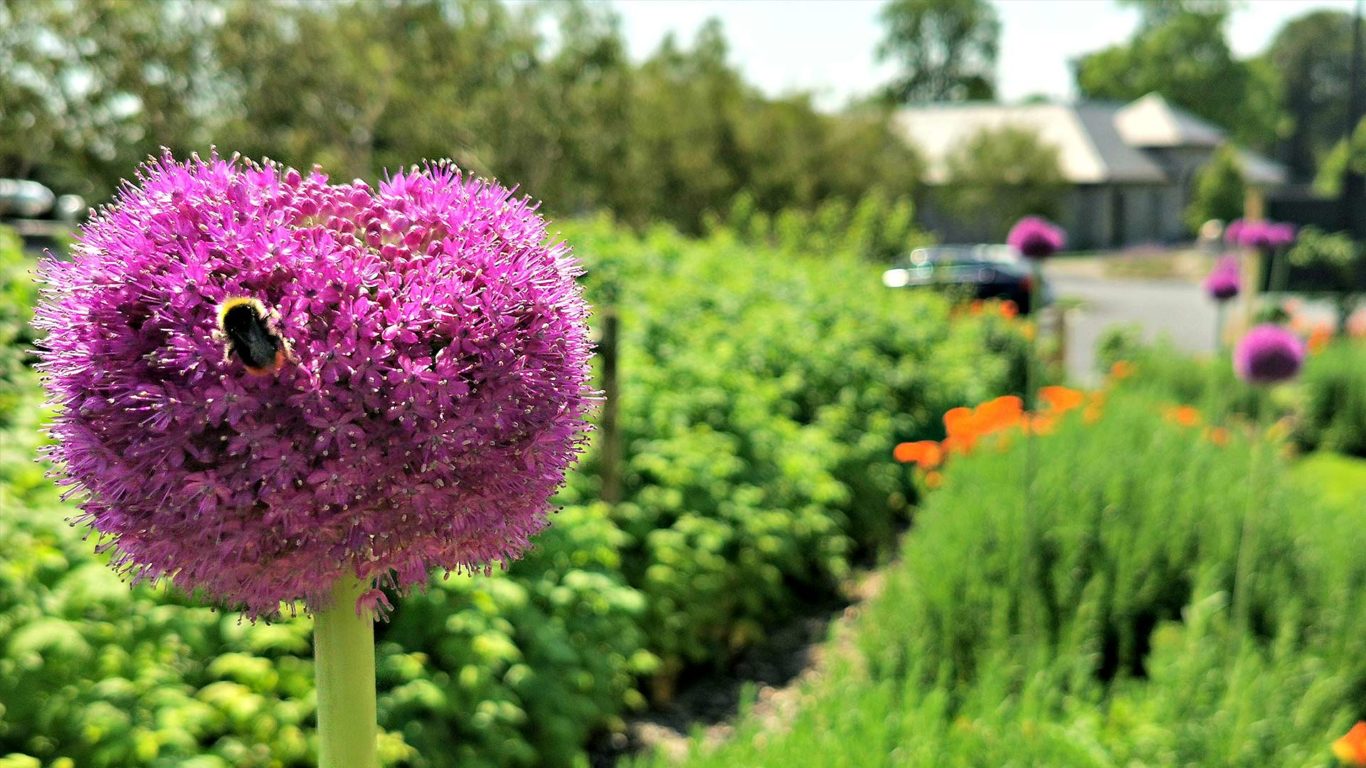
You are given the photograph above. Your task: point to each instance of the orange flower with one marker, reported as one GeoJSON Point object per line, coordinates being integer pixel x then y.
{"type": "Point", "coordinates": [1121, 370]}
{"type": "Point", "coordinates": [958, 421]}
{"type": "Point", "coordinates": [934, 479]}
{"type": "Point", "coordinates": [1062, 399]}
{"type": "Point", "coordinates": [1351, 749]}
{"type": "Point", "coordinates": [1184, 415]}
{"type": "Point", "coordinates": [926, 453]}
{"type": "Point", "coordinates": [995, 415]}
{"type": "Point", "coordinates": [975, 308]}
{"type": "Point", "coordinates": [1041, 424]}
{"type": "Point", "coordinates": [1009, 309]}
{"type": "Point", "coordinates": [1319, 337]}
{"type": "Point", "coordinates": [1217, 435]}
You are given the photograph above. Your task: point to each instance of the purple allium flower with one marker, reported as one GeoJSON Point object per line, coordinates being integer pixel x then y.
{"type": "Point", "coordinates": [1268, 354]}
{"type": "Point", "coordinates": [1233, 233]}
{"type": "Point", "coordinates": [1223, 282]}
{"type": "Point", "coordinates": [1265, 235]}
{"type": "Point", "coordinates": [264, 382]}
{"type": "Point", "coordinates": [1036, 238]}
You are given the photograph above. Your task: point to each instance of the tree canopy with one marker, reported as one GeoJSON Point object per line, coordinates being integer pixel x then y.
{"type": "Point", "coordinates": [541, 95]}
{"type": "Point", "coordinates": [1313, 56]}
{"type": "Point", "coordinates": [1180, 50]}
{"type": "Point", "coordinates": [945, 49]}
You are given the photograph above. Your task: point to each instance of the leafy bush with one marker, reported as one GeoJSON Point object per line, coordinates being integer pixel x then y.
{"type": "Point", "coordinates": [1327, 403]}
{"type": "Point", "coordinates": [17, 296]}
{"type": "Point", "coordinates": [759, 403]}
{"type": "Point", "coordinates": [1098, 631]}
{"type": "Point", "coordinates": [1334, 411]}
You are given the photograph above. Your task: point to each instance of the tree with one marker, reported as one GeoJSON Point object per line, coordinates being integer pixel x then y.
{"type": "Point", "coordinates": [1313, 55]}
{"type": "Point", "coordinates": [994, 177]}
{"type": "Point", "coordinates": [1344, 155]}
{"type": "Point", "coordinates": [1181, 52]}
{"type": "Point", "coordinates": [91, 88]}
{"type": "Point", "coordinates": [1220, 190]}
{"type": "Point", "coordinates": [945, 49]}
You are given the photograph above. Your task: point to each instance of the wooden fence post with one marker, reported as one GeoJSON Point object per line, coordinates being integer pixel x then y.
{"type": "Point", "coordinates": [610, 457]}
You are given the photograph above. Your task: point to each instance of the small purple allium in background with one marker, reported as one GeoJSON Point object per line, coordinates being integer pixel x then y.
{"type": "Point", "coordinates": [1262, 235]}
{"type": "Point", "coordinates": [1036, 238]}
{"type": "Point", "coordinates": [264, 381]}
{"type": "Point", "coordinates": [1268, 354]}
{"type": "Point", "coordinates": [1223, 282]}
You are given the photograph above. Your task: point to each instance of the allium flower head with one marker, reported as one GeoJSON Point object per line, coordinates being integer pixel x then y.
{"type": "Point", "coordinates": [1036, 238]}
{"type": "Point", "coordinates": [1223, 282]}
{"type": "Point", "coordinates": [1268, 354]}
{"type": "Point", "coordinates": [1233, 232]}
{"type": "Point", "coordinates": [264, 381]}
{"type": "Point", "coordinates": [1265, 235]}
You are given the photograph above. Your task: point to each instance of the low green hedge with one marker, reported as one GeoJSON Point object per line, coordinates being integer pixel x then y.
{"type": "Point", "coordinates": [1098, 630]}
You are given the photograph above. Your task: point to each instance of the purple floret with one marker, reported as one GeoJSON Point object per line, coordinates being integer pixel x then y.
{"type": "Point", "coordinates": [1268, 354]}
{"type": "Point", "coordinates": [1223, 282]}
{"type": "Point", "coordinates": [1036, 238]}
{"type": "Point", "coordinates": [430, 393]}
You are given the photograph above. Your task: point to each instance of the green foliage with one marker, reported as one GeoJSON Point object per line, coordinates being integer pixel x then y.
{"type": "Point", "coordinates": [1313, 56]}
{"type": "Point", "coordinates": [1098, 631]}
{"type": "Point", "coordinates": [1334, 410]}
{"type": "Point", "coordinates": [1219, 190]}
{"type": "Point", "coordinates": [877, 228]}
{"type": "Point", "coordinates": [1326, 404]}
{"type": "Point", "coordinates": [759, 403]}
{"type": "Point", "coordinates": [945, 49]}
{"type": "Point", "coordinates": [995, 177]}
{"type": "Point", "coordinates": [542, 96]}
{"type": "Point", "coordinates": [17, 296]}
{"type": "Point", "coordinates": [1344, 156]}
{"type": "Point", "coordinates": [1336, 261]}
{"type": "Point", "coordinates": [1182, 53]}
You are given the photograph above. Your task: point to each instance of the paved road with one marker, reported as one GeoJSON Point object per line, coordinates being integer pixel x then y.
{"type": "Point", "coordinates": [1175, 308]}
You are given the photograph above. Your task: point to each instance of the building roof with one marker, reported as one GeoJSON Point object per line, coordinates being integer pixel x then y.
{"type": "Point", "coordinates": [1098, 142]}
{"type": "Point", "coordinates": [1152, 122]}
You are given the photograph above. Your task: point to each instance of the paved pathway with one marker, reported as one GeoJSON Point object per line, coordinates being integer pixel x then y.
{"type": "Point", "coordinates": [1173, 308]}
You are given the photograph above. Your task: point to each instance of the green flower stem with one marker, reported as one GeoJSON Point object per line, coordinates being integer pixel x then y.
{"type": "Point", "coordinates": [1031, 549]}
{"type": "Point", "coordinates": [344, 660]}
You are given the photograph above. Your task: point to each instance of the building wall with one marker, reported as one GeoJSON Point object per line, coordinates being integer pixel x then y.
{"type": "Point", "coordinates": [1096, 217]}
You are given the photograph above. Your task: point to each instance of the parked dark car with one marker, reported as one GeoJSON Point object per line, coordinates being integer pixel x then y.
{"type": "Point", "coordinates": [981, 271]}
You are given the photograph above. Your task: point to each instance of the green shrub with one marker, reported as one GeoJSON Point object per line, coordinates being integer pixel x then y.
{"type": "Point", "coordinates": [1334, 412]}
{"type": "Point", "coordinates": [759, 405]}
{"type": "Point", "coordinates": [759, 402]}
{"type": "Point", "coordinates": [17, 296]}
{"type": "Point", "coordinates": [1098, 631]}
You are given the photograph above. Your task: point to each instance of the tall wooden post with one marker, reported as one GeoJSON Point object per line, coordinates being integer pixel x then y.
{"type": "Point", "coordinates": [610, 456]}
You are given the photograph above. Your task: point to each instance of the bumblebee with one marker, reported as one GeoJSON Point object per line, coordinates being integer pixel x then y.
{"type": "Point", "coordinates": [242, 323]}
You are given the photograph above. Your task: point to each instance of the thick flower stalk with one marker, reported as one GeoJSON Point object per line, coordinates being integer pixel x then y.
{"type": "Point", "coordinates": [267, 384]}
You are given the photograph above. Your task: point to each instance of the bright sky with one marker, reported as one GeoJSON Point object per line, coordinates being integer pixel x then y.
{"type": "Point", "coordinates": [827, 46]}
